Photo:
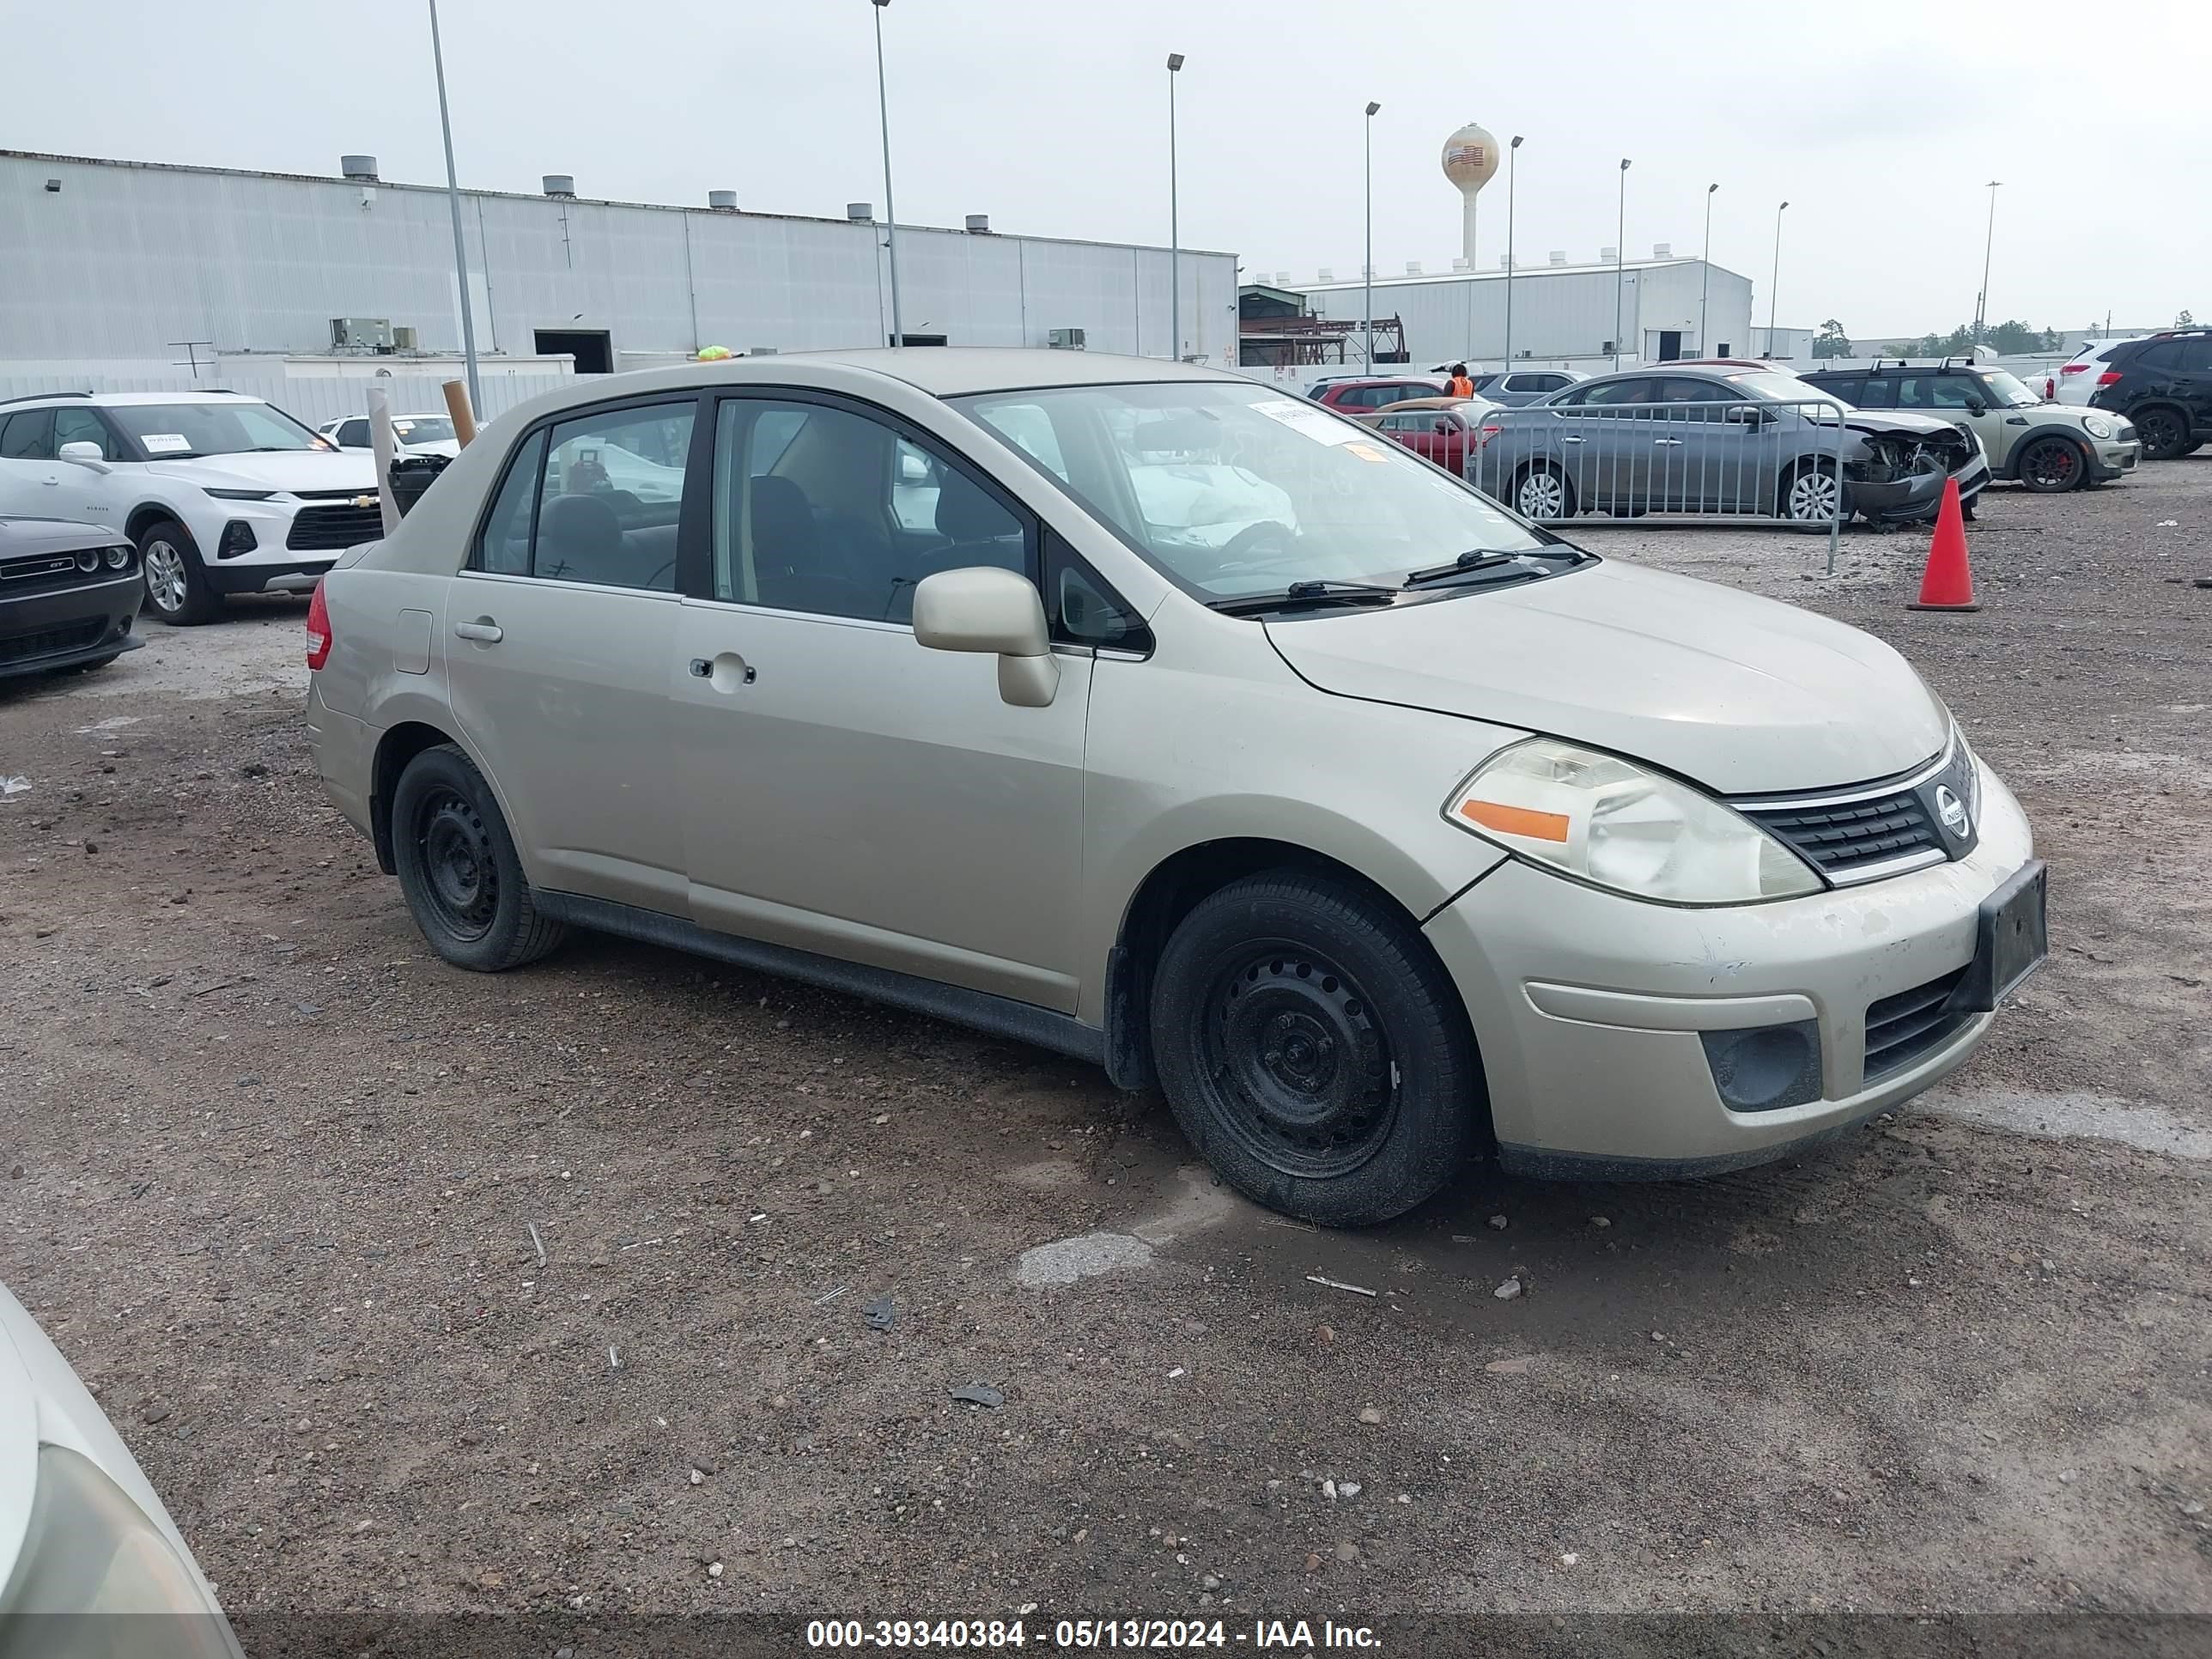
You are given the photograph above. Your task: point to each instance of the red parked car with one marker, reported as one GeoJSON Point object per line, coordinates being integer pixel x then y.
{"type": "Point", "coordinates": [1449, 431]}
{"type": "Point", "coordinates": [1362, 397]}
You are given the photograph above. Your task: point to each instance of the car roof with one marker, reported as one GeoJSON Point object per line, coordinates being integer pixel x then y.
{"type": "Point", "coordinates": [956, 371]}
{"type": "Point", "coordinates": [127, 400]}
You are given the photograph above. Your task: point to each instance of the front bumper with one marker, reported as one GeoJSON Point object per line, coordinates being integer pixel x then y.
{"type": "Point", "coordinates": [1918, 496]}
{"type": "Point", "coordinates": [1589, 1009]}
{"type": "Point", "coordinates": [2108, 461]}
{"type": "Point", "coordinates": [66, 626]}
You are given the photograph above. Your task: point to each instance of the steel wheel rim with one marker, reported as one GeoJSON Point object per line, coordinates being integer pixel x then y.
{"type": "Point", "coordinates": [1542, 496]}
{"type": "Point", "coordinates": [460, 870]}
{"type": "Point", "coordinates": [2051, 464]}
{"type": "Point", "coordinates": [166, 581]}
{"type": "Point", "coordinates": [1812, 496]}
{"type": "Point", "coordinates": [1302, 1071]}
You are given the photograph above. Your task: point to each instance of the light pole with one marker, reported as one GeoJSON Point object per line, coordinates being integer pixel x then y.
{"type": "Point", "coordinates": [1705, 278]}
{"type": "Point", "coordinates": [1512, 157]}
{"type": "Point", "coordinates": [1620, 261]}
{"type": "Point", "coordinates": [454, 200]}
{"type": "Point", "coordinates": [1174, 227]}
{"type": "Point", "coordinates": [1982, 300]}
{"type": "Point", "coordinates": [1368, 267]}
{"type": "Point", "coordinates": [891, 207]}
{"type": "Point", "coordinates": [1774, 287]}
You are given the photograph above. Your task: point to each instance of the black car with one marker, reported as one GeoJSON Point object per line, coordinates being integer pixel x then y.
{"type": "Point", "coordinates": [2162, 383]}
{"type": "Point", "coordinates": [68, 594]}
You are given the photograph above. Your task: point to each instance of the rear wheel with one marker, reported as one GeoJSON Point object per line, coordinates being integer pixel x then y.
{"type": "Point", "coordinates": [177, 588]}
{"type": "Point", "coordinates": [2051, 464]}
{"type": "Point", "coordinates": [458, 866]}
{"type": "Point", "coordinates": [2163, 432]}
{"type": "Point", "coordinates": [1314, 1051]}
{"type": "Point", "coordinates": [1544, 492]}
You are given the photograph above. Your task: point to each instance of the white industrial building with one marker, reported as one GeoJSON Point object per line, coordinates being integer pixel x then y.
{"type": "Point", "coordinates": [1562, 313]}
{"type": "Point", "coordinates": [147, 272]}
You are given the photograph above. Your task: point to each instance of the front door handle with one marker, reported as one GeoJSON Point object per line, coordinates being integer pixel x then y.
{"type": "Point", "coordinates": [1570, 441]}
{"type": "Point", "coordinates": [50, 484]}
{"type": "Point", "coordinates": [727, 672]}
{"type": "Point", "coordinates": [483, 630]}
{"type": "Point", "coordinates": [1666, 443]}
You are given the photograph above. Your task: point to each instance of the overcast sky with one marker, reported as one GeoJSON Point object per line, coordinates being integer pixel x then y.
{"type": "Point", "coordinates": [1880, 122]}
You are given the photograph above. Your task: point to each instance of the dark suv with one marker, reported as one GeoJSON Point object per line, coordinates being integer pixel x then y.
{"type": "Point", "coordinates": [2163, 384]}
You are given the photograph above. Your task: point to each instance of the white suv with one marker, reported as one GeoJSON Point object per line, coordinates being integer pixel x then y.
{"type": "Point", "coordinates": [417, 434]}
{"type": "Point", "coordinates": [222, 494]}
{"type": "Point", "coordinates": [2077, 379]}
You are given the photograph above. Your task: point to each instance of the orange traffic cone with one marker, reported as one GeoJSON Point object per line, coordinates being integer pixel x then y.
{"type": "Point", "coordinates": [1947, 584]}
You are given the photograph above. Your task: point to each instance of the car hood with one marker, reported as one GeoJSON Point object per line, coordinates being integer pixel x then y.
{"type": "Point", "coordinates": [289, 470]}
{"type": "Point", "coordinates": [1745, 695]}
{"type": "Point", "coordinates": [21, 536]}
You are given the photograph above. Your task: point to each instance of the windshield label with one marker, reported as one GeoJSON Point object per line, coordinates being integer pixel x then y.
{"type": "Point", "coordinates": [1366, 452]}
{"type": "Point", "coordinates": [165, 443]}
{"type": "Point", "coordinates": [1306, 421]}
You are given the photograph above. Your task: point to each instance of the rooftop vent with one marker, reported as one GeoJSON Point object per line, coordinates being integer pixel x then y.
{"type": "Point", "coordinates": [1663, 250]}
{"type": "Point", "coordinates": [1325, 275]}
{"type": "Point", "coordinates": [1412, 267]}
{"type": "Point", "coordinates": [979, 224]}
{"type": "Point", "coordinates": [1458, 264]}
{"type": "Point", "coordinates": [560, 185]}
{"type": "Point", "coordinates": [1559, 256]}
{"type": "Point", "coordinates": [1608, 256]}
{"type": "Point", "coordinates": [722, 201]}
{"type": "Point", "coordinates": [361, 169]}
{"type": "Point", "coordinates": [1506, 262]}
{"type": "Point", "coordinates": [860, 213]}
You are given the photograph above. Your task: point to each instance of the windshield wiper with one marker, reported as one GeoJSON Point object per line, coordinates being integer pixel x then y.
{"type": "Point", "coordinates": [1307, 593]}
{"type": "Point", "coordinates": [1478, 558]}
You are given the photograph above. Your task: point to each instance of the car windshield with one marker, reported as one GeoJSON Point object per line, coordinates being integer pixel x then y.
{"type": "Point", "coordinates": [177, 431]}
{"type": "Point", "coordinates": [423, 428]}
{"type": "Point", "coordinates": [1237, 490]}
{"type": "Point", "coordinates": [1781, 387]}
{"type": "Point", "coordinates": [2006, 390]}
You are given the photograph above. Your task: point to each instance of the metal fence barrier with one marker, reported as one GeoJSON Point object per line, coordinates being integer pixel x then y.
{"type": "Point", "coordinates": [1752, 463]}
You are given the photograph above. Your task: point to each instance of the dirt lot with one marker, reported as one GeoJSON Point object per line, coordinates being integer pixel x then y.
{"type": "Point", "coordinates": [272, 1173]}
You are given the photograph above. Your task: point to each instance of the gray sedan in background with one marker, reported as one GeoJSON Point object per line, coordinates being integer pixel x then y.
{"type": "Point", "coordinates": [1738, 438]}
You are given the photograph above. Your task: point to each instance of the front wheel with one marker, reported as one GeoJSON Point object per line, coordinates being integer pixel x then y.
{"type": "Point", "coordinates": [177, 588]}
{"type": "Point", "coordinates": [2164, 432]}
{"type": "Point", "coordinates": [1812, 495]}
{"type": "Point", "coordinates": [458, 866]}
{"type": "Point", "coordinates": [1314, 1051]}
{"type": "Point", "coordinates": [2053, 465]}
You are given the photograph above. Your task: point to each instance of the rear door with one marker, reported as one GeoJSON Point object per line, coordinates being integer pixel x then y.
{"type": "Point", "coordinates": [560, 642]}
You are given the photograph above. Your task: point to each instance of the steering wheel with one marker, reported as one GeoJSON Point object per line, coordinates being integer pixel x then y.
{"type": "Point", "coordinates": [1240, 552]}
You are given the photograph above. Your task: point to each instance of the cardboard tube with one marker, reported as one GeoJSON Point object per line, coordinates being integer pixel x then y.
{"type": "Point", "coordinates": [457, 405]}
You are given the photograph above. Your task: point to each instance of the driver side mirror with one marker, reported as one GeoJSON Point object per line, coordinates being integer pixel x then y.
{"type": "Point", "coordinates": [1976, 406]}
{"type": "Point", "coordinates": [1744, 414]}
{"type": "Point", "coordinates": [84, 453]}
{"type": "Point", "coordinates": [983, 609]}
{"type": "Point", "coordinates": [1442, 429]}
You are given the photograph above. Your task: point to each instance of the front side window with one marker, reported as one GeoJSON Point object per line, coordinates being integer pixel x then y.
{"type": "Point", "coordinates": [1233, 489]}
{"type": "Point", "coordinates": [82, 426]}
{"type": "Point", "coordinates": [1878, 392]}
{"type": "Point", "coordinates": [177, 432]}
{"type": "Point", "coordinates": [1613, 394]}
{"type": "Point", "coordinates": [823, 509]}
{"type": "Point", "coordinates": [1706, 400]}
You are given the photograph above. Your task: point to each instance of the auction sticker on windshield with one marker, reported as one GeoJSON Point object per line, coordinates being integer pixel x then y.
{"type": "Point", "coordinates": [165, 443]}
{"type": "Point", "coordinates": [1306, 421]}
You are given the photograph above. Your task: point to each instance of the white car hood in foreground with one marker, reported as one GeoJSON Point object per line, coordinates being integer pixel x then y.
{"type": "Point", "coordinates": [289, 469]}
{"type": "Point", "coordinates": [1743, 695]}
{"type": "Point", "coordinates": [43, 1402]}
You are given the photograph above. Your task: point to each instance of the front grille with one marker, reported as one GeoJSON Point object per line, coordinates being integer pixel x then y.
{"type": "Point", "coordinates": [328, 495]}
{"type": "Point", "coordinates": [1902, 1028]}
{"type": "Point", "coordinates": [52, 641]}
{"type": "Point", "coordinates": [323, 528]}
{"type": "Point", "coordinates": [1851, 836]}
{"type": "Point", "coordinates": [32, 571]}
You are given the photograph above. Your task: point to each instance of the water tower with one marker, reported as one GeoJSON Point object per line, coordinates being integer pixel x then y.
{"type": "Point", "coordinates": [1470, 162]}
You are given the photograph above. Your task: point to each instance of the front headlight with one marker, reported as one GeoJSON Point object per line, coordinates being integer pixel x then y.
{"type": "Point", "coordinates": [1611, 822]}
{"type": "Point", "coordinates": [91, 1554]}
{"type": "Point", "coordinates": [2097, 426]}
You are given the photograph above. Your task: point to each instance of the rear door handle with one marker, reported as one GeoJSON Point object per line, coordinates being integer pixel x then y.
{"type": "Point", "coordinates": [483, 630]}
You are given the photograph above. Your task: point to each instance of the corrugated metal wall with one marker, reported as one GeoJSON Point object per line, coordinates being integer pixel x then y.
{"type": "Point", "coordinates": [1565, 314]}
{"type": "Point", "coordinates": [125, 259]}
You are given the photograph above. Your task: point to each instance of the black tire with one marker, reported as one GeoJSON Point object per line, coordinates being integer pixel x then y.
{"type": "Point", "coordinates": [1561, 489]}
{"type": "Point", "coordinates": [2163, 432]}
{"type": "Point", "coordinates": [1808, 495]}
{"type": "Point", "coordinates": [2050, 466]}
{"type": "Point", "coordinates": [457, 867]}
{"type": "Point", "coordinates": [177, 588]}
{"type": "Point", "coordinates": [1372, 1097]}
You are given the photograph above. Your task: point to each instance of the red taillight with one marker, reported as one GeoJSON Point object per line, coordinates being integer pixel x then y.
{"type": "Point", "coordinates": [2074, 368]}
{"type": "Point", "coordinates": [2110, 377]}
{"type": "Point", "coordinates": [1483, 438]}
{"type": "Point", "coordinates": [319, 630]}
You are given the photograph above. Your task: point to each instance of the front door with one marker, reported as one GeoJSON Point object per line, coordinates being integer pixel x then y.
{"type": "Point", "coordinates": [844, 790]}
{"type": "Point", "coordinates": [561, 650]}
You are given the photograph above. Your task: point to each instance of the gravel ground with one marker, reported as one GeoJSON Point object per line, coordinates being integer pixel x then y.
{"type": "Point", "coordinates": [276, 1181]}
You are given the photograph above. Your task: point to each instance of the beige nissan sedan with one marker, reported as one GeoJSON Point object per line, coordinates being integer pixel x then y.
{"type": "Point", "coordinates": [1150, 715]}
